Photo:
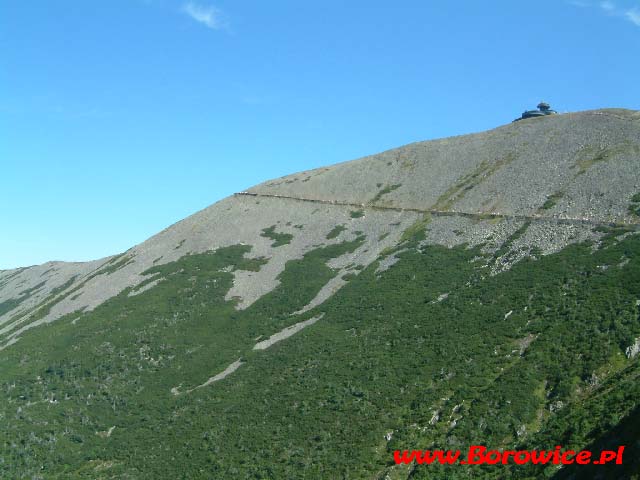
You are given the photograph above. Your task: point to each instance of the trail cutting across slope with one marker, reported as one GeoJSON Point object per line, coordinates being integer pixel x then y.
{"type": "Point", "coordinates": [451, 213]}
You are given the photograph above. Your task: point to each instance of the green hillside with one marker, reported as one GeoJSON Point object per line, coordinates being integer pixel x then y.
{"type": "Point", "coordinates": [90, 396]}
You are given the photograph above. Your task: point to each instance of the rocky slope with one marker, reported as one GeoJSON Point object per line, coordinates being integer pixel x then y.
{"type": "Point", "coordinates": [296, 253]}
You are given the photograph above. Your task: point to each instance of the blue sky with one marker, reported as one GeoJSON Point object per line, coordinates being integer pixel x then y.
{"type": "Point", "coordinates": [120, 117]}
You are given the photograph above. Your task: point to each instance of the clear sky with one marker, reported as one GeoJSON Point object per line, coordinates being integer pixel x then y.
{"type": "Point", "coordinates": [121, 117]}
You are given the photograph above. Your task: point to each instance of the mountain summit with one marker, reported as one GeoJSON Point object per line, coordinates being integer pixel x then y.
{"type": "Point", "coordinates": [473, 290]}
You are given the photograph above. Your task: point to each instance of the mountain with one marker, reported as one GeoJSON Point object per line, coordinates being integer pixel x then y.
{"type": "Point", "coordinates": [474, 290]}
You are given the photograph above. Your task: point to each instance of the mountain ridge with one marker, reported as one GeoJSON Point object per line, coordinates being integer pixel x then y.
{"type": "Point", "coordinates": [482, 174]}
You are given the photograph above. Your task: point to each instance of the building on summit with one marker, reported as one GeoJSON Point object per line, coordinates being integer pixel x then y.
{"type": "Point", "coordinates": [543, 110]}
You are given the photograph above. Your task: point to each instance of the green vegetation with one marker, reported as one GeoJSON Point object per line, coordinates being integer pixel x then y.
{"type": "Point", "coordinates": [416, 231]}
{"type": "Point", "coordinates": [590, 158]}
{"type": "Point", "coordinates": [49, 270]}
{"type": "Point", "coordinates": [594, 425]}
{"type": "Point", "coordinates": [384, 357]}
{"type": "Point", "coordinates": [356, 213]}
{"type": "Point", "coordinates": [279, 238]}
{"type": "Point", "coordinates": [9, 305]}
{"type": "Point", "coordinates": [552, 200]}
{"type": "Point", "coordinates": [385, 191]}
{"type": "Point", "coordinates": [12, 303]}
{"type": "Point", "coordinates": [56, 295]}
{"type": "Point", "coordinates": [117, 365]}
{"type": "Point", "coordinates": [116, 263]}
{"type": "Point", "coordinates": [7, 278]}
{"type": "Point", "coordinates": [634, 207]}
{"type": "Point", "coordinates": [43, 308]}
{"type": "Point", "coordinates": [335, 231]}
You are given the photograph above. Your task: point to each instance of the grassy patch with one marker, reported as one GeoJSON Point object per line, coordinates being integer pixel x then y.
{"type": "Point", "coordinates": [552, 200]}
{"type": "Point", "coordinates": [335, 231]}
{"type": "Point", "coordinates": [12, 303]}
{"type": "Point", "coordinates": [113, 265]}
{"type": "Point", "coordinates": [385, 191]}
{"type": "Point", "coordinates": [279, 239]}
{"type": "Point", "coordinates": [634, 206]}
{"type": "Point", "coordinates": [416, 232]}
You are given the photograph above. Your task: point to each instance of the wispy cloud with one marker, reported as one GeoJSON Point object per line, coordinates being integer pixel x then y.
{"type": "Point", "coordinates": [633, 16]}
{"type": "Point", "coordinates": [207, 15]}
{"type": "Point", "coordinates": [612, 9]}
{"type": "Point", "coordinates": [608, 6]}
